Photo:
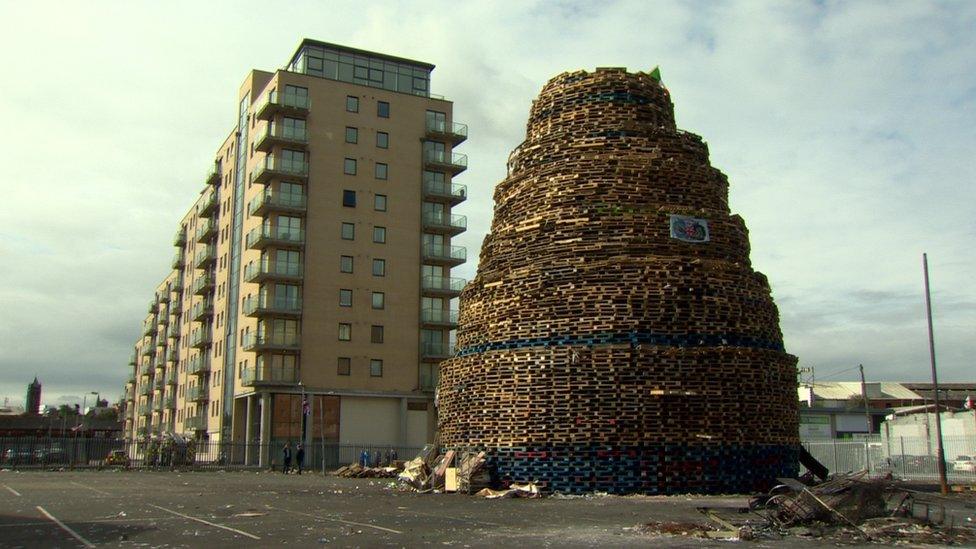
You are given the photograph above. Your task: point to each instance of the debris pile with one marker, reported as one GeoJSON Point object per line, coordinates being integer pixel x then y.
{"type": "Point", "coordinates": [356, 470]}
{"type": "Point", "coordinates": [453, 471]}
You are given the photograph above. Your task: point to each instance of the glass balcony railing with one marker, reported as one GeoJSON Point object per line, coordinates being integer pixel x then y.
{"type": "Point", "coordinates": [439, 316]}
{"type": "Point", "coordinates": [454, 132]}
{"type": "Point", "coordinates": [201, 338]}
{"type": "Point", "coordinates": [205, 230]}
{"type": "Point", "coordinates": [429, 375]}
{"type": "Point", "coordinates": [268, 270]}
{"type": "Point", "coordinates": [145, 389]}
{"type": "Point", "coordinates": [440, 350]}
{"type": "Point", "coordinates": [454, 163]}
{"type": "Point", "coordinates": [441, 190]}
{"type": "Point", "coordinates": [199, 364]}
{"type": "Point", "coordinates": [170, 402]}
{"type": "Point", "coordinates": [274, 235]}
{"type": "Point", "coordinates": [275, 166]}
{"type": "Point", "coordinates": [180, 238]}
{"type": "Point", "coordinates": [445, 223]}
{"type": "Point", "coordinates": [198, 393]}
{"type": "Point", "coordinates": [264, 305]}
{"type": "Point", "coordinates": [261, 342]}
{"type": "Point", "coordinates": [274, 134]}
{"type": "Point", "coordinates": [206, 256]}
{"type": "Point", "coordinates": [202, 310]}
{"type": "Point", "coordinates": [431, 284]}
{"type": "Point", "coordinates": [178, 260]}
{"type": "Point", "coordinates": [172, 376]}
{"type": "Point", "coordinates": [273, 201]}
{"type": "Point", "coordinates": [197, 422]}
{"type": "Point", "coordinates": [203, 285]}
{"type": "Point", "coordinates": [208, 205]}
{"type": "Point", "coordinates": [276, 102]}
{"type": "Point", "coordinates": [444, 254]}
{"type": "Point", "coordinates": [270, 375]}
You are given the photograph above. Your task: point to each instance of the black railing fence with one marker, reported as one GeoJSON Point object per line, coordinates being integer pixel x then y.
{"type": "Point", "coordinates": [188, 454]}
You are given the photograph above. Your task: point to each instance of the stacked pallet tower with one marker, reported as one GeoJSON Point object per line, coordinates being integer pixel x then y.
{"type": "Point", "coordinates": [616, 337]}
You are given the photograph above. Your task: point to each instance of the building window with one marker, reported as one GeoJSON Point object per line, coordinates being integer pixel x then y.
{"type": "Point", "coordinates": [345, 298]}
{"type": "Point", "coordinates": [349, 166]}
{"type": "Point", "coordinates": [352, 135]}
{"type": "Point", "coordinates": [379, 300]}
{"type": "Point", "coordinates": [345, 264]}
{"type": "Point", "coordinates": [382, 109]}
{"type": "Point", "coordinates": [344, 366]}
{"type": "Point", "coordinates": [348, 231]}
{"type": "Point", "coordinates": [376, 334]}
{"type": "Point", "coordinates": [379, 235]}
{"type": "Point", "coordinates": [379, 267]}
{"type": "Point", "coordinates": [379, 202]}
{"type": "Point", "coordinates": [382, 140]}
{"type": "Point", "coordinates": [376, 368]}
{"type": "Point", "coordinates": [349, 198]}
{"type": "Point", "coordinates": [381, 170]}
{"type": "Point", "coordinates": [345, 331]}
{"type": "Point", "coordinates": [352, 103]}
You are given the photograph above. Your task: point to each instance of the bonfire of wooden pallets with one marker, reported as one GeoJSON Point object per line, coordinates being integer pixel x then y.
{"type": "Point", "coordinates": [597, 350]}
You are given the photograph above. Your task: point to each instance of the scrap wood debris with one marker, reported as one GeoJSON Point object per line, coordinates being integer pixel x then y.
{"type": "Point", "coordinates": [453, 471]}
{"type": "Point", "coordinates": [356, 470]}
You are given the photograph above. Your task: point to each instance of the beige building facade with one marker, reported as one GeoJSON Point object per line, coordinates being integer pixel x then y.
{"type": "Point", "coordinates": [311, 290]}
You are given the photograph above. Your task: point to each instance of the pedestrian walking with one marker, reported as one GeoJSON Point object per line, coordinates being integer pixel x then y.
{"type": "Point", "coordinates": [300, 456]}
{"type": "Point", "coordinates": [287, 455]}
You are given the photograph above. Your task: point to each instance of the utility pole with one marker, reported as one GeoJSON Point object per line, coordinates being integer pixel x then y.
{"type": "Point", "coordinates": [940, 451]}
{"type": "Point", "coordinates": [864, 397]}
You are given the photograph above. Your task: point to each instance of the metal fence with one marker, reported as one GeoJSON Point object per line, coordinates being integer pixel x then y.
{"type": "Point", "coordinates": [186, 454]}
{"type": "Point", "coordinates": [908, 458]}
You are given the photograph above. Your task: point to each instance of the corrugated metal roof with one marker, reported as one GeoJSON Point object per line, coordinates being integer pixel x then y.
{"type": "Point", "coordinates": [843, 390]}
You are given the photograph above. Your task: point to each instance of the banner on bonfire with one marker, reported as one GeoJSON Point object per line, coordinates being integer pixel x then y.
{"type": "Point", "coordinates": [689, 229]}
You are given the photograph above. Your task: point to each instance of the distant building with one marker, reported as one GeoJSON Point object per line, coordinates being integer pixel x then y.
{"type": "Point", "coordinates": [952, 395]}
{"type": "Point", "coordinates": [33, 405]}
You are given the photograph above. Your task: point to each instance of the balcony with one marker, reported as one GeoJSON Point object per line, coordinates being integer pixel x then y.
{"type": "Point", "coordinates": [163, 320]}
{"type": "Point", "coordinates": [273, 167]}
{"type": "Point", "coordinates": [163, 298]}
{"type": "Point", "coordinates": [172, 376]}
{"type": "Point", "coordinates": [444, 223]}
{"type": "Point", "coordinates": [442, 286]}
{"type": "Point", "coordinates": [148, 328]}
{"type": "Point", "coordinates": [153, 306]}
{"type": "Point", "coordinates": [267, 270]}
{"type": "Point", "coordinates": [176, 307]}
{"type": "Point", "coordinates": [147, 349]}
{"type": "Point", "coordinates": [203, 285]}
{"type": "Point", "coordinates": [145, 409]}
{"type": "Point", "coordinates": [441, 254]}
{"type": "Point", "coordinates": [201, 339]}
{"type": "Point", "coordinates": [173, 355]}
{"type": "Point", "coordinates": [170, 403]}
{"type": "Point", "coordinates": [180, 238]}
{"type": "Point", "coordinates": [441, 318]}
{"type": "Point", "coordinates": [436, 351]}
{"type": "Point", "coordinates": [178, 260]}
{"type": "Point", "coordinates": [202, 311]}
{"type": "Point", "coordinates": [429, 375]}
{"type": "Point", "coordinates": [452, 132]}
{"type": "Point", "coordinates": [205, 257]}
{"type": "Point", "coordinates": [441, 191]}
{"type": "Point", "coordinates": [199, 365]}
{"type": "Point", "coordinates": [206, 230]}
{"type": "Point", "coordinates": [284, 103]}
{"type": "Point", "coordinates": [159, 382]}
{"type": "Point", "coordinates": [208, 205]}
{"type": "Point", "coordinates": [269, 201]}
{"type": "Point", "coordinates": [272, 342]}
{"type": "Point", "coordinates": [157, 405]}
{"type": "Point", "coordinates": [131, 378]}
{"type": "Point", "coordinates": [213, 176]}
{"type": "Point", "coordinates": [198, 393]}
{"type": "Point", "coordinates": [274, 135]}
{"type": "Point", "coordinates": [273, 235]}
{"type": "Point", "coordinates": [142, 431]}
{"type": "Point", "coordinates": [270, 375]}
{"type": "Point", "coordinates": [145, 368]}
{"type": "Point", "coordinates": [257, 306]}
{"type": "Point", "coordinates": [196, 423]}
{"type": "Point", "coordinates": [145, 389]}
{"type": "Point", "coordinates": [452, 163]}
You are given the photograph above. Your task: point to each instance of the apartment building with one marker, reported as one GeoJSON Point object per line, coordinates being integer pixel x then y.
{"type": "Point", "coordinates": [315, 265]}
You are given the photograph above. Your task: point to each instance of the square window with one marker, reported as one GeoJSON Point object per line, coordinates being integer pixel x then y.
{"type": "Point", "coordinates": [379, 300]}
{"type": "Point", "coordinates": [345, 331]}
{"type": "Point", "coordinates": [376, 334]}
{"type": "Point", "coordinates": [381, 170]}
{"type": "Point", "coordinates": [376, 368]}
{"type": "Point", "coordinates": [352, 103]}
{"type": "Point", "coordinates": [379, 202]}
{"type": "Point", "coordinates": [349, 198]}
{"type": "Point", "coordinates": [379, 267]}
{"type": "Point", "coordinates": [345, 298]}
{"type": "Point", "coordinates": [382, 140]}
{"type": "Point", "coordinates": [379, 235]}
{"type": "Point", "coordinates": [348, 231]}
{"type": "Point", "coordinates": [352, 135]}
{"type": "Point", "coordinates": [382, 109]}
{"type": "Point", "coordinates": [349, 166]}
{"type": "Point", "coordinates": [345, 264]}
{"type": "Point", "coordinates": [344, 366]}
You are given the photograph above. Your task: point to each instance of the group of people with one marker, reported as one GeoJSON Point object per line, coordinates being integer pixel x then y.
{"type": "Point", "coordinates": [299, 457]}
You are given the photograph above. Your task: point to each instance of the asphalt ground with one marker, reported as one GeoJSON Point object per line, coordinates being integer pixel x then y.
{"type": "Point", "coordinates": [248, 509]}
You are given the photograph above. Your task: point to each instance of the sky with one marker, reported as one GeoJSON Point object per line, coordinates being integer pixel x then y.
{"type": "Point", "coordinates": [847, 131]}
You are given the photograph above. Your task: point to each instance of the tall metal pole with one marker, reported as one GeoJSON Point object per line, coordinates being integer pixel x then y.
{"type": "Point", "coordinates": [940, 451]}
{"type": "Point", "coordinates": [864, 397]}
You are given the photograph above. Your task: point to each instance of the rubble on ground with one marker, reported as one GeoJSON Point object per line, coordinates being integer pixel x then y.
{"type": "Point", "coordinates": [356, 470]}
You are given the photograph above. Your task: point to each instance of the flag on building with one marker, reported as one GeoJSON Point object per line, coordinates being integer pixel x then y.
{"type": "Point", "coordinates": [305, 408]}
